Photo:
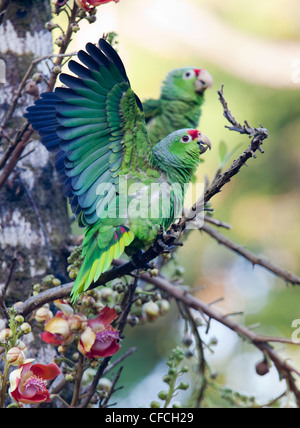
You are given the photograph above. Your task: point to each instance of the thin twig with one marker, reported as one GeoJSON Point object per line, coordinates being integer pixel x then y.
{"type": "Point", "coordinates": [287, 276]}
{"type": "Point", "coordinates": [29, 71]}
{"type": "Point", "coordinates": [112, 389]}
{"type": "Point", "coordinates": [78, 381]}
{"type": "Point", "coordinates": [217, 223]}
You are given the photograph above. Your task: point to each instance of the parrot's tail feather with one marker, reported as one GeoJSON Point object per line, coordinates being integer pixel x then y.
{"type": "Point", "coordinates": [98, 259]}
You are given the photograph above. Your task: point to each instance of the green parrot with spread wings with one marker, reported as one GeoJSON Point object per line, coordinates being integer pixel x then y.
{"type": "Point", "coordinates": [122, 189]}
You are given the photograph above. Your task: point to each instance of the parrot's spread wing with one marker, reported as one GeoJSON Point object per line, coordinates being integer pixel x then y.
{"type": "Point", "coordinates": [96, 125]}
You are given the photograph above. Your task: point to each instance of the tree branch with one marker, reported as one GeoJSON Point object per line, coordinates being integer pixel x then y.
{"type": "Point", "coordinates": [287, 276]}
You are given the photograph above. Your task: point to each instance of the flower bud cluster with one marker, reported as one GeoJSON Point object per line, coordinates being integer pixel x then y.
{"type": "Point", "coordinates": [10, 338]}
{"type": "Point", "coordinates": [75, 262]}
{"type": "Point", "coordinates": [175, 371]}
{"type": "Point", "coordinates": [49, 281]}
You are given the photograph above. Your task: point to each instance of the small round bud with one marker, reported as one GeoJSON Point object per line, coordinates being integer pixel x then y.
{"type": "Point", "coordinates": [91, 19]}
{"type": "Point", "coordinates": [69, 377]}
{"type": "Point", "coordinates": [167, 379]}
{"type": "Point", "coordinates": [56, 282]}
{"type": "Point", "coordinates": [25, 328]}
{"type": "Point", "coordinates": [43, 314]}
{"type": "Point", "coordinates": [177, 405]}
{"type": "Point", "coordinates": [50, 25]}
{"type": "Point", "coordinates": [5, 334]}
{"type": "Point", "coordinates": [106, 293]}
{"type": "Point", "coordinates": [166, 256]}
{"type": "Point", "coordinates": [73, 272]}
{"type": "Point", "coordinates": [75, 28]}
{"type": "Point", "coordinates": [119, 288]}
{"type": "Point", "coordinates": [62, 349]}
{"type": "Point", "coordinates": [38, 77]}
{"type": "Point", "coordinates": [19, 319]}
{"type": "Point", "coordinates": [93, 11]}
{"type": "Point", "coordinates": [132, 320]}
{"type": "Point", "coordinates": [178, 354]}
{"type": "Point", "coordinates": [189, 354]}
{"type": "Point", "coordinates": [154, 405]}
{"type": "Point", "coordinates": [164, 306]}
{"type": "Point", "coordinates": [81, 13]}
{"type": "Point", "coordinates": [77, 322]}
{"type": "Point", "coordinates": [105, 384]}
{"type": "Point", "coordinates": [118, 309]}
{"type": "Point", "coordinates": [56, 70]}
{"type": "Point", "coordinates": [87, 301]}
{"type": "Point", "coordinates": [184, 386]}
{"type": "Point", "coordinates": [75, 356]}
{"type": "Point", "coordinates": [154, 272]}
{"type": "Point", "coordinates": [262, 368]}
{"type": "Point", "coordinates": [15, 356]}
{"type": "Point", "coordinates": [37, 287]}
{"type": "Point", "coordinates": [162, 395]}
{"type": "Point", "coordinates": [59, 41]}
{"type": "Point", "coordinates": [31, 88]}
{"type": "Point", "coordinates": [187, 340]}
{"type": "Point", "coordinates": [151, 311]}
{"type": "Point", "coordinates": [214, 341]}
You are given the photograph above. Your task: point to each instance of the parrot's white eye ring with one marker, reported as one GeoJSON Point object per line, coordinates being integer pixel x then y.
{"type": "Point", "coordinates": [189, 74]}
{"type": "Point", "coordinates": [186, 139]}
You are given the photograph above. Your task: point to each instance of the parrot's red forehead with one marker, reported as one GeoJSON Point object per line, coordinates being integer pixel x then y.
{"type": "Point", "coordinates": [193, 133]}
{"type": "Point", "coordinates": [197, 71]}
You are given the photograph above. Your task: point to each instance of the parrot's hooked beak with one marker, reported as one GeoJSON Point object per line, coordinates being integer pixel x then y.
{"type": "Point", "coordinates": [204, 80]}
{"type": "Point", "coordinates": [203, 142]}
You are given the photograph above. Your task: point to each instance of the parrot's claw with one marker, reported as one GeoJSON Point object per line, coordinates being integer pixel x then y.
{"type": "Point", "coordinates": [162, 243]}
{"type": "Point", "coordinates": [163, 247]}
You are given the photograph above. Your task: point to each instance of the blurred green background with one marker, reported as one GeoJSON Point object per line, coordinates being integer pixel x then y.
{"type": "Point", "coordinates": [254, 49]}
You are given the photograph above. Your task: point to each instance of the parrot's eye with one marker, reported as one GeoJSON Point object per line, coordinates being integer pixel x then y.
{"type": "Point", "coordinates": [190, 74]}
{"type": "Point", "coordinates": [186, 139]}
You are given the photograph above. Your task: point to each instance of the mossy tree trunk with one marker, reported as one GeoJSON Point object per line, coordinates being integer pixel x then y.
{"type": "Point", "coordinates": [34, 221]}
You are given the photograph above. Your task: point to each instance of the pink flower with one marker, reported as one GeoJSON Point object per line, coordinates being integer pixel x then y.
{"type": "Point", "coordinates": [90, 4]}
{"type": "Point", "coordinates": [28, 382]}
{"type": "Point", "coordinates": [57, 330]}
{"type": "Point", "coordinates": [100, 339]}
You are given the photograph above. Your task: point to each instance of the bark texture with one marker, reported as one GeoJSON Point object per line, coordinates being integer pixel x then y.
{"type": "Point", "coordinates": [34, 221]}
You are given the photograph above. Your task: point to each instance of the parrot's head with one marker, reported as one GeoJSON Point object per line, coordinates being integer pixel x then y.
{"type": "Point", "coordinates": [179, 154]}
{"type": "Point", "coordinates": [187, 84]}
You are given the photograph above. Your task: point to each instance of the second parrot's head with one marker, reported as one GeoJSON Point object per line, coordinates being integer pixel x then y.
{"type": "Point", "coordinates": [188, 84]}
{"type": "Point", "coordinates": [181, 150]}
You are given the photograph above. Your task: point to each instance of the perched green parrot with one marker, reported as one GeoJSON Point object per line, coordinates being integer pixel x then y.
{"type": "Point", "coordinates": [114, 178]}
{"type": "Point", "coordinates": [180, 102]}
